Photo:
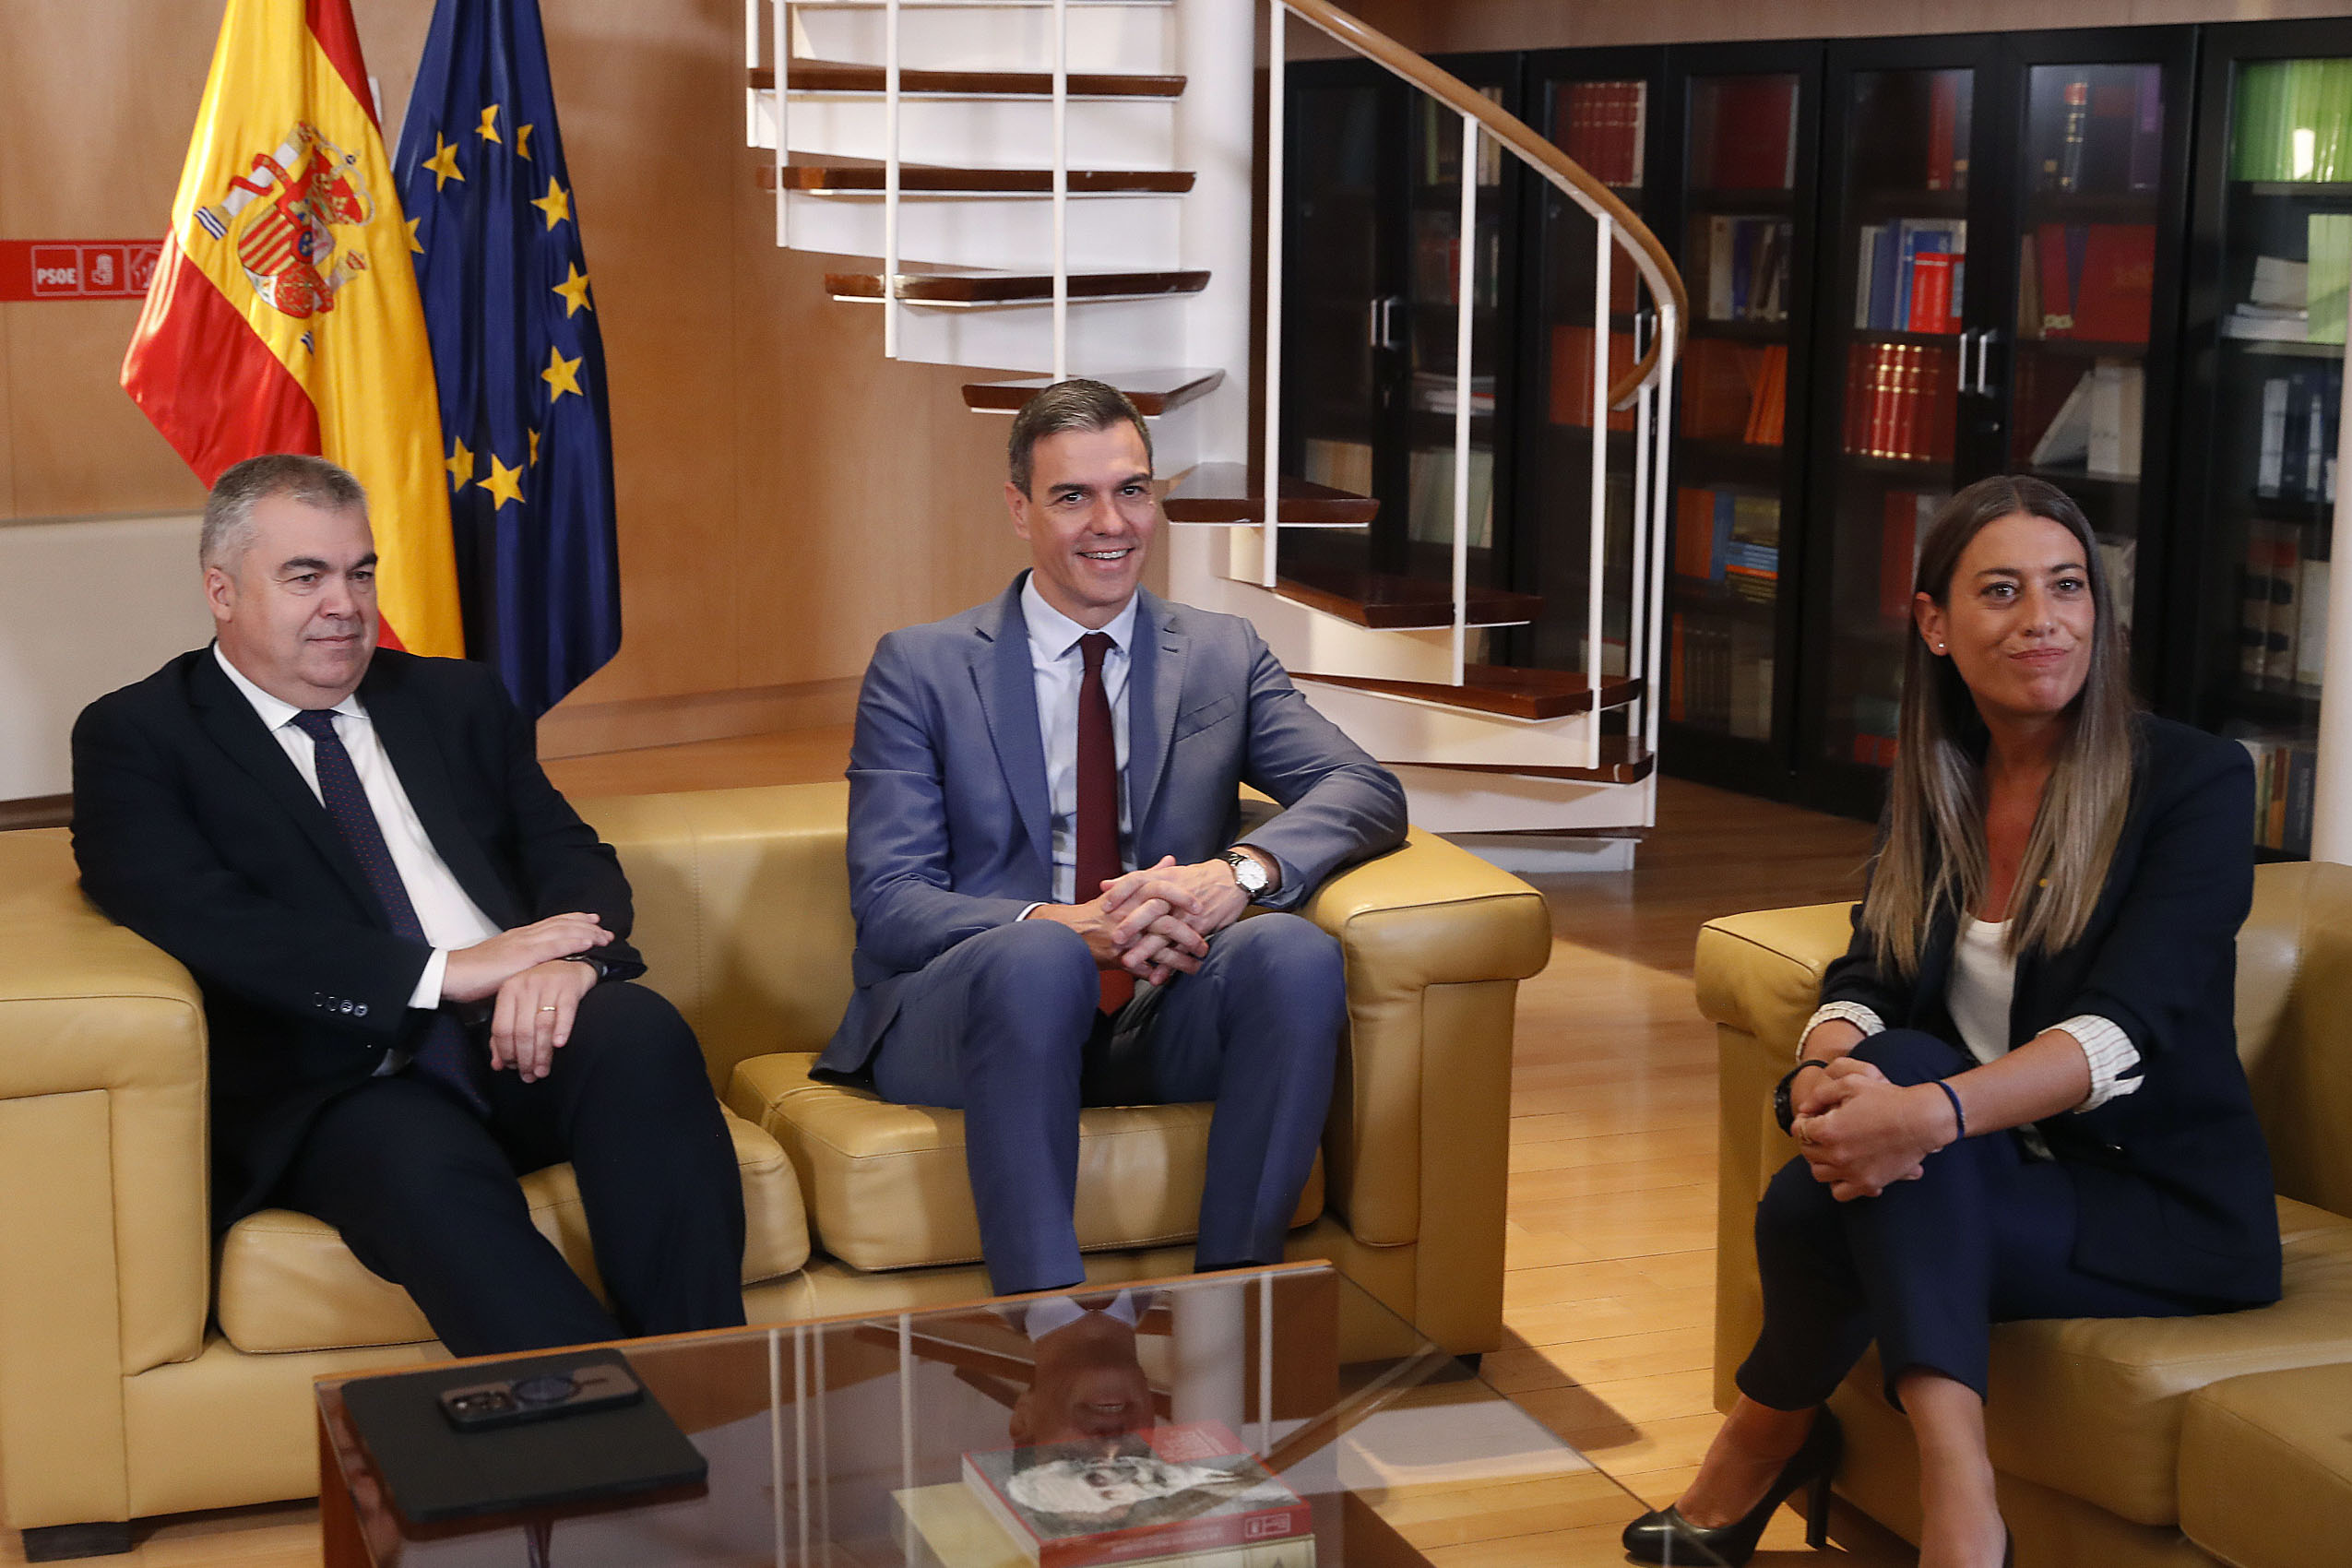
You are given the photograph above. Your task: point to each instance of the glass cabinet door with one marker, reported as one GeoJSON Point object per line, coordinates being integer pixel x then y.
{"type": "Point", "coordinates": [1891, 383]}
{"type": "Point", "coordinates": [1598, 106]}
{"type": "Point", "coordinates": [1335, 277]}
{"type": "Point", "coordinates": [1744, 159]}
{"type": "Point", "coordinates": [2275, 229]}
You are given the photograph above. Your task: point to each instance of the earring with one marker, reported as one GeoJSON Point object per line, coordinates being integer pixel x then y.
{"type": "Point", "coordinates": [1939, 647]}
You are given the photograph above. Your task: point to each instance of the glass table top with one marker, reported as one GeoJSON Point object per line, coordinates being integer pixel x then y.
{"type": "Point", "coordinates": [846, 1442]}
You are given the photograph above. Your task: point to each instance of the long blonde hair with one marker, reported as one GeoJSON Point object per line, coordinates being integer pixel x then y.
{"type": "Point", "coordinates": [1933, 855]}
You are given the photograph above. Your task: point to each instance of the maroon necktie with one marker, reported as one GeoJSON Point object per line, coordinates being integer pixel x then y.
{"type": "Point", "coordinates": [1098, 825]}
{"type": "Point", "coordinates": [441, 1050]}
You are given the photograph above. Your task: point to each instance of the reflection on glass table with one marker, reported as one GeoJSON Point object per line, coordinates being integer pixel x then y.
{"type": "Point", "coordinates": [1272, 1419]}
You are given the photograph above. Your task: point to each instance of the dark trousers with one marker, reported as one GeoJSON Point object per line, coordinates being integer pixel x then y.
{"type": "Point", "coordinates": [1984, 1236]}
{"type": "Point", "coordinates": [1005, 1026]}
{"type": "Point", "coordinates": [424, 1192]}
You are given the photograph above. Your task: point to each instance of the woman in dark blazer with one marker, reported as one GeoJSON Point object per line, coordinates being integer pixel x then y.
{"type": "Point", "coordinates": [2021, 1096]}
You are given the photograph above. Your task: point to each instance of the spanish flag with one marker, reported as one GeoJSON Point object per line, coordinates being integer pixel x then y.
{"type": "Point", "coordinates": [283, 316]}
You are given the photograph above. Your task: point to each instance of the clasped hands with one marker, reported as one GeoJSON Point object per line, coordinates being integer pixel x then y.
{"type": "Point", "coordinates": [1155, 921]}
{"type": "Point", "coordinates": [1859, 1133]}
{"type": "Point", "coordinates": [527, 969]}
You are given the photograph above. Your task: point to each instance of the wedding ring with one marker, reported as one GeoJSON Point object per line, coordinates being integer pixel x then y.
{"type": "Point", "coordinates": [550, 1009]}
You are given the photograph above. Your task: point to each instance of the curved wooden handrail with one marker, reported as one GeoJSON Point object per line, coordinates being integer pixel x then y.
{"type": "Point", "coordinates": [1516, 135]}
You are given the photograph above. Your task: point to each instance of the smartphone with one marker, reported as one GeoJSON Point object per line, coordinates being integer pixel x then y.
{"type": "Point", "coordinates": [597, 1386]}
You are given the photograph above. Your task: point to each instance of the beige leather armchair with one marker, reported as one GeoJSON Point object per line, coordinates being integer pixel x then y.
{"type": "Point", "coordinates": [2124, 1442]}
{"type": "Point", "coordinates": [146, 1369]}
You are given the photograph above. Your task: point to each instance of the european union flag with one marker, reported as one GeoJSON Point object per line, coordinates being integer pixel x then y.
{"type": "Point", "coordinates": [526, 436]}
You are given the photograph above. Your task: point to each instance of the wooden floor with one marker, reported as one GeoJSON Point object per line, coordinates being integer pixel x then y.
{"type": "Point", "coordinates": [1609, 1304]}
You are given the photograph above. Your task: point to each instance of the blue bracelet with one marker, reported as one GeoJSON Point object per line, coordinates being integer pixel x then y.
{"type": "Point", "coordinates": [1958, 1115]}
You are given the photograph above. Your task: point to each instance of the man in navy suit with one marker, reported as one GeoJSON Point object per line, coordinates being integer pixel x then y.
{"type": "Point", "coordinates": [414, 955]}
{"type": "Point", "coordinates": [1047, 871]}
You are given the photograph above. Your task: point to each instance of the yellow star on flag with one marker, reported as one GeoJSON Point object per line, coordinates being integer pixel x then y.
{"type": "Point", "coordinates": [534, 456]}
{"type": "Point", "coordinates": [414, 243]}
{"type": "Point", "coordinates": [556, 203]}
{"type": "Point", "coordinates": [461, 465]}
{"type": "Point", "coordinates": [488, 129]}
{"type": "Point", "coordinates": [560, 373]}
{"type": "Point", "coordinates": [522, 142]}
{"type": "Point", "coordinates": [504, 483]}
{"type": "Point", "coordinates": [444, 162]}
{"type": "Point", "coordinates": [575, 291]}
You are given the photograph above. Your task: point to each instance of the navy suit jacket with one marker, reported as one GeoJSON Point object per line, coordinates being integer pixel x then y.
{"type": "Point", "coordinates": [2173, 1181]}
{"type": "Point", "coordinates": [950, 826]}
{"type": "Point", "coordinates": [194, 828]}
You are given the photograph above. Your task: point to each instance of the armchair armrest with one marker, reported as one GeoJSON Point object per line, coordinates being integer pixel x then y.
{"type": "Point", "coordinates": [1417, 1150]}
{"type": "Point", "coordinates": [105, 1257]}
{"type": "Point", "coordinates": [1759, 980]}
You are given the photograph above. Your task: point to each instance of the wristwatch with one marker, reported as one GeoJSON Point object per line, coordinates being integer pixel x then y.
{"type": "Point", "coordinates": [1783, 1109]}
{"type": "Point", "coordinates": [1247, 872]}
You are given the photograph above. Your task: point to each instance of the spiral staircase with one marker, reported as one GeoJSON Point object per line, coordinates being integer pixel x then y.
{"type": "Point", "coordinates": [1068, 187]}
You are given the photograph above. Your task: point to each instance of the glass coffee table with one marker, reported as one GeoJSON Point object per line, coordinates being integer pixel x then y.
{"type": "Point", "coordinates": [842, 1441]}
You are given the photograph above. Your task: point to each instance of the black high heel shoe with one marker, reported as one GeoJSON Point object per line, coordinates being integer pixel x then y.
{"type": "Point", "coordinates": [1664, 1536]}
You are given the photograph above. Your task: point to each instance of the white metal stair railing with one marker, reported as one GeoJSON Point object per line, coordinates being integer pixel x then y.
{"type": "Point", "coordinates": [952, 216]}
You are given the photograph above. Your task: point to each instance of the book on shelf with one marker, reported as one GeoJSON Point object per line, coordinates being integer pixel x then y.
{"type": "Point", "coordinates": [2296, 460]}
{"type": "Point", "coordinates": [1733, 391]}
{"type": "Point", "coordinates": [1167, 1492]}
{"type": "Point", "coordinates": [1743, 134]}
{"type": "Point", "coordinates": [2104, 134]}
{"type": "Point", "coordinates": [1437, 262]}
{"type": "Point", "coordinates": [1572, 374]}
{"type": "Point", "coordinates": [1433, 392]}
{"type": "Point", "coordinates": [2311, 626]}
{"type": "Point", "coordinates": [1877, 720]}
{"type": "Point", "coordinates": [1747, 268]}
{"type": "Point", "coordinates": [1901, 399]}
{"type": "Point", "coordinates": [2285, 769]}
{"type": "Point", "coordinates": [1728, 537]}
{"type": "Point", "coordinates": [1949, 115]}
{"type": "Point", "coordinates": [2294, 121]}
{"type": "Point", "coordinates": [1441, 136]}
{"type": "Point", "coordinates": [2327, 278]}
{"type": "Point", "coordinates": [2096, 426]}
{"type": "Point", "coordinates": [2271, 618]}
{"type": "Point", "coordinates": [1342, 465]}
{"type": "Point", "coordinates": [1719, 674]}
{"type": "Point", "coordinates": [1905, 518]}
{"type": "Point", "coordinates": [1887, 292]}
{"type": "Point", "coordinates": [1431, 518]}
{"type": "Point", "coordinates": [1600, 124]}
{"type": "Point", "coordinates": [2094, 281]}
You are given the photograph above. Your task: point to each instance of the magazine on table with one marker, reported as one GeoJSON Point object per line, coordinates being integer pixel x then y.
{"type": "Point", "coordinates": [1170, 1492]}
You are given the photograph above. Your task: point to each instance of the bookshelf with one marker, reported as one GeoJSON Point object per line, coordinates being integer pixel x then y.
{"type": "Point", "coordinates": [2272, 239]}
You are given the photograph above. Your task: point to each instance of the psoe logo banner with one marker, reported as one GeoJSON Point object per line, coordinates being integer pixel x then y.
{"type": "Point", "coordinates": [77, 269]}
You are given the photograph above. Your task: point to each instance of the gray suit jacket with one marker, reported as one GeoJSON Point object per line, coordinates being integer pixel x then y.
{"type": "Point", "coordinates": [950, 829]}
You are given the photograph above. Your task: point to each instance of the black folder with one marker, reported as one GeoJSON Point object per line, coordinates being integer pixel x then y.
{"type": "Point", "coordinates": [435, 1472]}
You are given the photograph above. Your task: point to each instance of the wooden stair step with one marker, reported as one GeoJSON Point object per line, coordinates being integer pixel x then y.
{"type": "Point", "coordinates": [859, 176]}
{"type": "Point", "coordinates": [1215, 493]}
{"type": "Point", "coordinates": [1623, 761]}
{"type": "Point", "coordinates": [843, 76]}
{"type": "Point", "coordinates": [1153, 392]}
{"type": "Point", "coordinates": [977, 287]}
{"type": "Point", "coordinates": [1499, 689]}
{"type": "Point", "coordinates": [1392, 602]}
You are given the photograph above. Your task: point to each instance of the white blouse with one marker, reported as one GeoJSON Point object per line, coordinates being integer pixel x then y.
{"type": "Point", "coordinates": [1983, 983]}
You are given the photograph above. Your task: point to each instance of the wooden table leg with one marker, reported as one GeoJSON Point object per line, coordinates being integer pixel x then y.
{"type": "Point", "coordinates": [340, 1543]}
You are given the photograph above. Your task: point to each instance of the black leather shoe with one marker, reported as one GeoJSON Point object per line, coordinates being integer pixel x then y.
{"type": "Point", "coordinates": [1664, 1536]}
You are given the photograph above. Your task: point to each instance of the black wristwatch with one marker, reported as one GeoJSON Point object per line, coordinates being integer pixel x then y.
{"type": "Point", "coordinates": [1782, 1110]}
{"type": "Point", "coordinates": [593, 963]}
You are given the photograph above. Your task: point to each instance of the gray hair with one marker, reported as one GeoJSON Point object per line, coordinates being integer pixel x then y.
{"type": "Point", "coordinates": [1067, 405]}
{"type": "Point", "coordinates": [227, 511]}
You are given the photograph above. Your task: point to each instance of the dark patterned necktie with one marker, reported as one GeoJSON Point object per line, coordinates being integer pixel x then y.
{"type": "Point", "coordinates": [1097, 830]}
{"type": "Point", "coordinates": [442, 1053]}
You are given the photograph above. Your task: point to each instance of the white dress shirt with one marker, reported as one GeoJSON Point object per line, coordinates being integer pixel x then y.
{"type": "Point", "coordinates": [1060, 669]}
{"type": "Point", "coordinates": [448, 915]}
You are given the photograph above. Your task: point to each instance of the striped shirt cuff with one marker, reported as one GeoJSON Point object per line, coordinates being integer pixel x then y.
{"type": "Point", "coordinates": [2111, 1054]}
{"type": "Point", "coordinates": [1853, 1013]}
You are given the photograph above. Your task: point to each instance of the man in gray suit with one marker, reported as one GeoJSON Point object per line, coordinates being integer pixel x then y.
{"type": "Point", "coordinates": [1044, 870]}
